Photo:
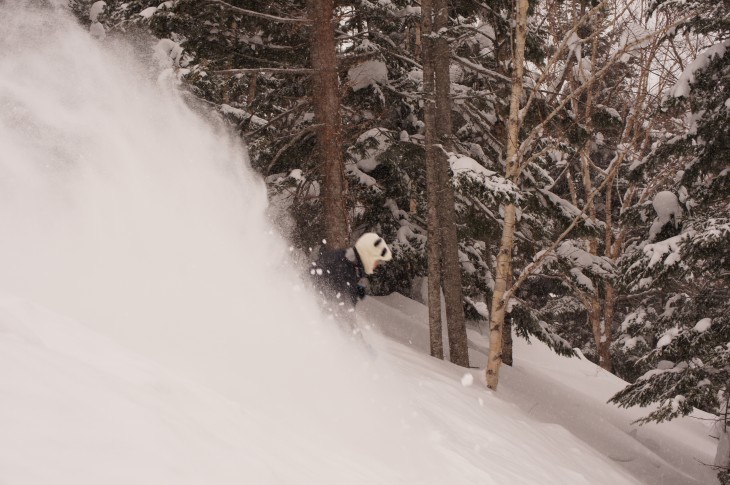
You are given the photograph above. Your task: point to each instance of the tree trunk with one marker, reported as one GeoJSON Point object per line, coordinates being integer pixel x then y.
{"type": "Point", "coordinates": [609, 304]}
{"type": "Point", "coordinates": [507, 334]}
{"type": "Point", "coordinates": [451, 272]}
{"type": "Point", "coordinates": [721, 432]}
{"type": "Point", "coordinates": [600, 326]}
{"type": "Point", "coordinates": [594, 317]}
{"type": "Point", "coordinates": [432, 171]}
{"type": "Point", "coordinates": [444, 268]}
{"type": "Point", "coordinates": [251, 90]}
{"type": "Point", "coordinates": [441, 55]}
{"type": "Point", "coordinates": [594, 307]}
{"type": "Point", "coordinates": [504, 257]}
{"type": "Point", "coordinates": [450, 264]}
{"type": "Point", "coordinates": [571, 185]}
{"type": "Point", "coordinates": [604, 351]}
{"type": "Point", "coordinates": [507, 340]}
{"type": "Point", "coordinates": [326, 99]}
{"type": "Point", "coordinates": [497, 315]}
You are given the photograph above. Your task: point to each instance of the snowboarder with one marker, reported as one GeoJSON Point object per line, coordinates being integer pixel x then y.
{"type": "Point", "coordinates": [337, 274]}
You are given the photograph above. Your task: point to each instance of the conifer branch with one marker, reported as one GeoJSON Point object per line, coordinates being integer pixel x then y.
{"type": "Point", "coordinates": [400, 93]}
{"type": "Point", "coordinates": [305, 132]}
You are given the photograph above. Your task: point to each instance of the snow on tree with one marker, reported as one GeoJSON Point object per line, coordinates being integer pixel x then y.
{"type": "Point", "coordinates": [668, 211]}
{"type": "Point", "coordinates": [685, 256]}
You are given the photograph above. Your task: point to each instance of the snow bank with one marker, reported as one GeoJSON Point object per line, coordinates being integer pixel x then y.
{"type": "Point", "coordinates": [77, 408]}
{"type": "Point", "coordinates": [91, 412]}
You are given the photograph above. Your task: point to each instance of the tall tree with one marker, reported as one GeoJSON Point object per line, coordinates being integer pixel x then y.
{"type": "Point", "coordinates": [444, 264]}
{"type": "Point", "coordinates": [326, 99]}
{"type": "Point", "coordinates": [434, 248]}
{"type": "Point", "coordinates": [451, 266]}
{"type": "Point", "coordinates": [248, 59]}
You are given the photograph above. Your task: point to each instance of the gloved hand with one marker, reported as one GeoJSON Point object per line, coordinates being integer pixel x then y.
{"type": "Point", "coordinates": [360, 292]}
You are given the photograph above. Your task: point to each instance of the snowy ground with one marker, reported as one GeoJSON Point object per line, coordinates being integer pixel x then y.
{"type": "Point", "coordinates": [152, 330]}
{"type": "Point", "coordinates": [77, 408]}
{"type": "Point", "coordinates": [568, 394]}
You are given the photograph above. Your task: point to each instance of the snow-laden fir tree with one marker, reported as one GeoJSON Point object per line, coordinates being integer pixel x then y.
{"type": "Point", "coordinates": [686, 253]}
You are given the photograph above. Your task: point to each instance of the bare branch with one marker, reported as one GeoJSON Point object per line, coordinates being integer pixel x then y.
{"type": "Point", "coordinates": [611, 171]}
{"type": "Point", "coordinates": [302, 134]}
{"type": "Point", "coordinates": [256, 70]}
{"type": "Point", "coordinates": [537, 130]}
{"type": "Point", "coordinates": [251, 13]}
{"type": "Point", "coordinates": [480, 69]}
{"type": "Point", "coordinates": [274, 119]}
{"type": "Point", "coordinates": [537, 155]}
{"type": "Point", "coordinates": [562, 47]}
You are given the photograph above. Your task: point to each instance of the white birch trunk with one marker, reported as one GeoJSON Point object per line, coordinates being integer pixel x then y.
{"type": "Point", "coordinates": [504, 258]}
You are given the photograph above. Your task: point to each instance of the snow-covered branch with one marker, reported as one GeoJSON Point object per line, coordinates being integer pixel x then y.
{"type": "Point", "coordinates": [610, 174]}
{"type": "Point", "coordinates": [256, 70]}
{"type": "Point", "coordinates": [276, 118]}
{"type": "Point", "coordinates": [538, 129]}
{"type": "Point", "coordinates": [479, 69]}
{"type": "Point", "coordinates": [252, 13]}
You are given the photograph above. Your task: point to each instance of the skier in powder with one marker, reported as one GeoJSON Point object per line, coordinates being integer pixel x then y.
{"type": "Point", "coordinates": [337, 274]}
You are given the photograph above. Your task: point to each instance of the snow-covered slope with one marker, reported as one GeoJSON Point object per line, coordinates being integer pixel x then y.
{"type": "Point", "coordinates": [570, 394]}
{"type": "Point", "coordinates": [79, 409]}
{"type": "Point", "coordinates": [76, 408]}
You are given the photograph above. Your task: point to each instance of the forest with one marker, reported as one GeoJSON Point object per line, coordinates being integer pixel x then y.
{"type": "Point", "coordinates": [557, 170]}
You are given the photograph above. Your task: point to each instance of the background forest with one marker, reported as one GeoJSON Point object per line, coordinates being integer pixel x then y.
{"type": "Point", "coordinates": [560, 167]}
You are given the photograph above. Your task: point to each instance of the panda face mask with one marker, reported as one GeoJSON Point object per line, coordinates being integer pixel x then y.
{"type": "Point", "coordinates": [372, 249]}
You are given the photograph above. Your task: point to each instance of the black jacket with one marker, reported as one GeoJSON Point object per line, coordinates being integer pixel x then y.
{"type": "Point", "coordinates": [336, 275]}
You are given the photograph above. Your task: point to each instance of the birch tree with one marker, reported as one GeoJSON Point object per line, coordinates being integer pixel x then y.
{"type": "Point", "coordinates": [524, 148]}
{"type": "Point", "coordinates": [512, 172]}
{"type": "Point", "coordinates": [618, 112]}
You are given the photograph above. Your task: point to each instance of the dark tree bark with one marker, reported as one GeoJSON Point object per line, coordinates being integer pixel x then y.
{"type": "Point", "coordinates": [450, 265]}
{"type": "Point", "coordinates": [326, 99]}
{"type": "Point", "coordinates": [444, 265]}
{"type": "Point", "coordinates": [432, 171]}
{"type": "Point", "coordinates": [507, 336]}
{"type": "Point", "coordinates": [507, 341]}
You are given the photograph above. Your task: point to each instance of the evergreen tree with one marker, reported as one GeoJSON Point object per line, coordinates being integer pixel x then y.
{"type": "Point", "coordinates": [685, 253]}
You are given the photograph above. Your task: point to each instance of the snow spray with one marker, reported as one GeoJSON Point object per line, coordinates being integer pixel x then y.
{"type": "Point", "coordinates": [126, 209]}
